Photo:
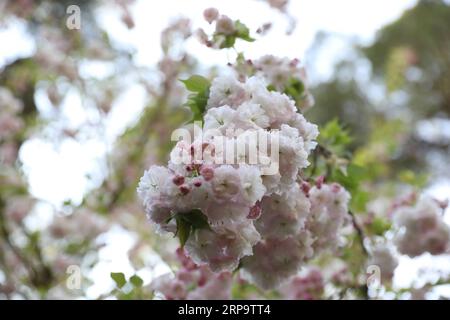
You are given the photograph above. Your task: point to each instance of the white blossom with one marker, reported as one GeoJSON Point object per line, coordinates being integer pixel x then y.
{"type": "Point", "coordinates": [383, 256]}
{"type": "Point", "coordinates": [226, 90]}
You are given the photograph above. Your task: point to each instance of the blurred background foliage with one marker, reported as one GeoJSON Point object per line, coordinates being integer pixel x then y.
{"type": "Point", "coordinates": [409, 64]}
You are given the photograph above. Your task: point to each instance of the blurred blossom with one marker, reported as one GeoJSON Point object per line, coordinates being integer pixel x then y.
{"type": "Point", "coordinates": [421, 228]}
{"type": "Point", "coordinates": [309, 286]}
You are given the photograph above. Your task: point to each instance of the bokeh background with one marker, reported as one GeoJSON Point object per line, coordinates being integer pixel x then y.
{"type": "Point", "coordinates": [99, 104]}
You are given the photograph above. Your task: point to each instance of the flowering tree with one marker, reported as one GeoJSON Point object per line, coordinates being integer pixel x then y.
{"type": "Point", "coordinates": [245, 196]}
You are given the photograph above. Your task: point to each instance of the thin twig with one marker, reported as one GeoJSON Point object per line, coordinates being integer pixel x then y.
{"type": "Point", "coordinates": [360, 233]}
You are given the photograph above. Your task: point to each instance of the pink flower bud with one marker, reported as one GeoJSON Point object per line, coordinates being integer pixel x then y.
{"type": "Point", "coordinates": [178, 180]}
{"type": "Point", "coordinates": [184, 189]}
{"type": "Point", "coordinates": [305, 187]}
{"type": "Point", "coordinates": [255, 211]}
{"type": "Point", "coordinates": [319, 181]}
{"type": "Point", "coordinates": [207, 173]}
{"type": "Point", "coordinates": [198, 183]}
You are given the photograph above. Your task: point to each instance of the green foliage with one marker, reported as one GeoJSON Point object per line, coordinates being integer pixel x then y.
{"type": "Point", "coordinates": [295, 88]}
{"type": "Point", "coordinates": [196, 219]}
{"type": "Point", "coordinates": [424, 37]}
{"type": "Point", "coordinates": [198, 99]}
{"type": "Point", "coordinates": [119, 279]}
{"type": "Point", "coordinates": [396, 67]}
{"type": "Point", "coordinates": [242, 31]}
{"type": "Point", "coordinates": [131, 289]}
{"type": "Point", "coordinates": [343, 99]}
{"type": "Point", "coordinates": [422, 33]}
{"type": "Point", "coordinates": [378, 226]}
{"type": "Point", "coordinates": [77, 247]}
{"type": "Point", "coordinates": [359, 200]}
{"type": "Point", "coordinates": [410, 177]}
{"type": "Point", "coordinates": [336, 165]}
{"type": "Point", "coordinates": [183, 230]}
{"type": "Point", "coordinates": [351, 179]}
{"type": "Point", "coordinates": [353, 255]}
{"type": "Point", "coordinates": [332, 159]}
{"type": "Point", "coordinates": [334, 137]}
{"type": "Point", "coordinates": [196, 83]}
{"type": "Point", "coordinates": [136, 281]}
{"type": "Point", "coordinates": [382, 149]}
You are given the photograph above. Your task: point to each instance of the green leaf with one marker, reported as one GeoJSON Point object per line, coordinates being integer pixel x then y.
{"type": "Point", "coordinates": [242, 31]}
{"type": "Point", "coordinates": [196, 83]}
{"type": "Point", "coordinates": [197, 101]}
{"type": "Point", "coordinates": [188, 222]}
{"type": "Point", "coordinates": [295, 88]}
{"type": "Point", "coordinates": [351, 180]}
{"type": "Point", "coordinates": [229, 42]}
{"type": "Point", "coordinates": [183, 230]}
{"type": "Point", "coordinates": [354, 175]}
{"type": "Point", "coordinates": [379, 226]}
{"type": "Point", "coordinates": [196, 219]}
{"type": "Point", "coordinates": [77, 247]}
{"type": "Point", "coordinates": [136, 281]}
{"type": "Point", "coordinates": [119, 279]}
{"type": "Point", "coordinates": [197, 105]}
{"type": "Point", "coordinates": [334, 137]}
{"type": "Point", "coordinates": [359, 200]}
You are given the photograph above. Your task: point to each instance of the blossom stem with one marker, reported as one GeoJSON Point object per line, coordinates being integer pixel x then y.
{"type": "Point", "coordinates": [359, 232]}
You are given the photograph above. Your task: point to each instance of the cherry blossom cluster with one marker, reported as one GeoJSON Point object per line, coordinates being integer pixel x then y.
{"type": "Point", "coordinates": [309, 286]}
{"type": "Point", "coordinates": [193, 282]}
{"type": "Point", "coordinates": [224, 26]}
{"type": "Point", "coordinates": [241, 214]}
{"type": "Point", "coordinates": [296, 226]}
{"type": "Point", "coordinates": [421, 228]}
